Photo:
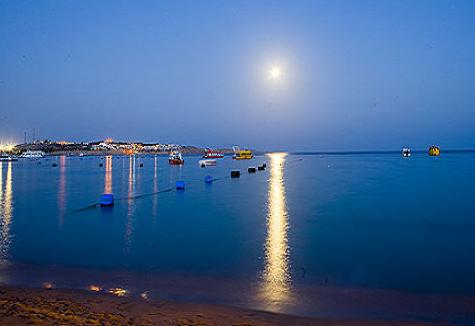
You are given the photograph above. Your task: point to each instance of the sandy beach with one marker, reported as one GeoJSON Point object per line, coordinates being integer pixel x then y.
{"type": "Point", "coordinates": [27, 306]}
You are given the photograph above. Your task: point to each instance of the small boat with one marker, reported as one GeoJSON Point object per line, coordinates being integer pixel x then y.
{"type": "Point", "coordinates": [33, 154]}
{"type": "Point", "coordinates": [242, 154]}
{"type": "Point", "coordinates": [7, 158]}
{"type": "Point", "coordinates": [208, 162]}
{"type": "Point", "coordinates": [209, 153]}
{"type": "Point", "coordinates": [434, 151]}
{"type": "Point", "coordinates": [406, 152]}
{"type": "Point", "coordinates": [106, 200]}
{"type": "Point", "coordinates": [175, 158]}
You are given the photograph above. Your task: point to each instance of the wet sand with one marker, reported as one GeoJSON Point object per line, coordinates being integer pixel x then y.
{"type": "Point", "coordinates": [27, 306]}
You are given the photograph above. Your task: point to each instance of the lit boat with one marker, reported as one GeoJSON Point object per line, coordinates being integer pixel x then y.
{"type": "Point", "coordinates": [242, 154]}
{"type": "Point", "coordinates": [175, 158]}
{"type": "Point", "coordinates": [208, 162]}
{"type": "Point", "coordinates": [434, 151]}
{"type": "Point", "coordinates": [7, 158]}
{"type": "Point", "coordinates": [406, 152]}
{"type": "Point", "coordinates": [33, 154]}
{"type": "Point", "coordinates": [209, 153]}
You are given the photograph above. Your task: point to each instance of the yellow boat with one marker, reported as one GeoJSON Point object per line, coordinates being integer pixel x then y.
{"type": "Point", "coordinates": [242, 154]}
{"type": "Point", "coordinates": [434, 151]}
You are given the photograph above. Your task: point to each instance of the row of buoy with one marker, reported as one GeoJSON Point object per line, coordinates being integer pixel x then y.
{"type": "Point", "coordinates": [180, 185]}
{"type": "Point", "coordinates": [108, 199]}
{"type": "Point", "coordinates": [251, 169]}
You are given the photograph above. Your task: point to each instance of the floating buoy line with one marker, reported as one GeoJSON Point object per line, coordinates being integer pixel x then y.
{"type": "Point", "coordinates": [107, 200]}
{"type": "Point", "coordinates": [100, 203]}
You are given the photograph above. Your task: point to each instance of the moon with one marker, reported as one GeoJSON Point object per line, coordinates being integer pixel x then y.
{"type": "Point", "coordinates": [275, 73]}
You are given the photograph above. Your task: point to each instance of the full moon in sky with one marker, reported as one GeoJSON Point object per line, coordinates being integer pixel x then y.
{"type": "Point", "coordinates": [275, 73]}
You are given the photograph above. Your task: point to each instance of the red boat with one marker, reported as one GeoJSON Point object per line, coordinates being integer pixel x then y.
{"type": "Point", "coordinates": [209, 153]}
{"type": "Point", "coordinates": [175, 158]}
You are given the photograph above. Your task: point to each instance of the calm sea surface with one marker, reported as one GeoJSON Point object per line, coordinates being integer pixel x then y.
{"type": "Point", "coordinates": [295, 237]}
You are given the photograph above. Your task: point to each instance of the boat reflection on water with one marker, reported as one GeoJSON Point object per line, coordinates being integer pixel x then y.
{"type": "Point", "coordinates": [6, 210]}
{"type": "Point", "coordinates": [276, 288]}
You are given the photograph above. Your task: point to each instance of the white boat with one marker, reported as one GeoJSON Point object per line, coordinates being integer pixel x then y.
{"type": "Point", "coordinates": [33, 154]}
{"type": "Point", "coordinates": [7, 158]}
{"type": "Point", "coordinates": [209, 162]}
{"type": "Point", "coordinates": [406, 152]}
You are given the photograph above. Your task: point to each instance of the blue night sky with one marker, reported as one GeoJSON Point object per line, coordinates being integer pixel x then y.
{"type": "Point", "coordinates": [354, 74]}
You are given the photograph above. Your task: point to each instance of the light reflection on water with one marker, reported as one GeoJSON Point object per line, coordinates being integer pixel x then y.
{"type": "Point", "coordinates": [130, 204]}
{"type": "Point", "coordinates": [155, 186]}
{"type": "Point", "coordinates": [6, 210]}
{"type": "Point", "coordinates": [276, 285]}
{"type": "Point", "coordinates": [62, 189]}
{"type": "Point", "coordinates": [108, 176]}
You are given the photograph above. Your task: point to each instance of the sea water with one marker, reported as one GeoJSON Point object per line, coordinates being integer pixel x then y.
{"type": "Point", "coordinates": [295, 237]}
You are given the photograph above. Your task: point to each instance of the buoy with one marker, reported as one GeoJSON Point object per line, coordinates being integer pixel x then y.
{"type": "Point", "coordinates": [261, 168]}
{"type": "Point", "coordinates": [180, 185]}
{"type": "Point", "coordinates": [251, 169]}
{"type": "Point", "coordinates": [101, 165]}
{"type": "Point", "coordinates": [54, 165]}
{"type": "Point", "coordinates": [107, 200]}
{"type": "Point", "coordinates": [208, 179]}
{"type": "Point", "coordinates": [235, 174]}
{"type": "Point", "coordinates": [141, 165]}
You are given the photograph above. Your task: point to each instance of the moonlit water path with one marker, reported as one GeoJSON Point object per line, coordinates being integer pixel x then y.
{"type": "Point", "coordinates": [276, 285]}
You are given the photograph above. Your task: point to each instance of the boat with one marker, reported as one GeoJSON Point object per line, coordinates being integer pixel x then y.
{"type": "Point", "coordinates": [7, 158]}
{"type": "Point", "coordinates": [406, 152]}
{"type": "Point", "coordinates": [209, 153]}
{"type": "Point", "coordinates": [175, 158]}
{"type": "Point", "coordinates": [208, 162]}
{"type": "Point", "coordinates": [434, 151]}
{"type": "Point", "coordinates": [242, 154]}
{"type": "Point", "coordinates": [33, 154]}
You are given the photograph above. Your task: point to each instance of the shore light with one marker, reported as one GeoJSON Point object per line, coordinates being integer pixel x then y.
{"type": "Point", "coordinates": [6, 147]}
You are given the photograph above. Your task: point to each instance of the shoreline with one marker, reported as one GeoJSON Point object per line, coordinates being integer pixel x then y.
{"type": "Point", "coordinates": [24, 305]}
{"type": "Point", "coordinates": [328, 302]}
